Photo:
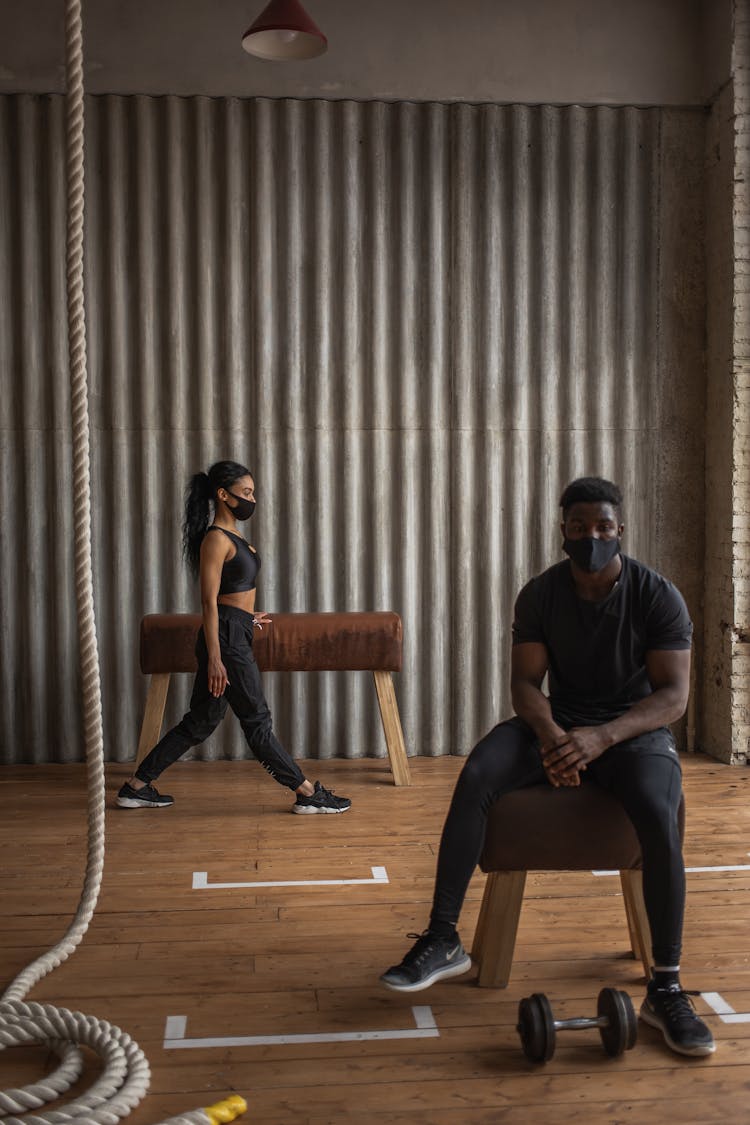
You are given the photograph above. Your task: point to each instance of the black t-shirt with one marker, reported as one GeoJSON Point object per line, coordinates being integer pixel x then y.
{"type": "Point", "coordinates": [597, 650]}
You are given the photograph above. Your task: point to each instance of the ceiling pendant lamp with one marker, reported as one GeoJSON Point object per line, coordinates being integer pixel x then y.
{"type": "Point", "coordinates": [284, 31]}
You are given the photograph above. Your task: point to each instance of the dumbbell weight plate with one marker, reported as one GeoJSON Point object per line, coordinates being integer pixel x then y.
{"type": "Point", "coordinates": [536, 1027]}
{"type": "Point", "coordinates": [622, 1026]}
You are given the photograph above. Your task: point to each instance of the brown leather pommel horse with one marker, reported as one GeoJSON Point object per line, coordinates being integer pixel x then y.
{"type": "Point", "coordinates": [289, 642]}
{"type": "Point", "coordinates": [546, 829]}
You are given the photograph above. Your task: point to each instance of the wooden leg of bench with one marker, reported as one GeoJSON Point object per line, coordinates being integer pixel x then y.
{"type": "Point", "coordinates": [495, 940]}
{"type": "Point", "coordinates": [394, 735]}
{"type": "Point", "coordinates": [153, 715]}
{"type": "Point", "coordinates": [479, 933]}
{"type": "Point", "coordinates": [635, 909]}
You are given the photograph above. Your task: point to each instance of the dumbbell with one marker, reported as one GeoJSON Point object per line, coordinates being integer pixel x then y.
{"type": "Point", "coordinates": [538, 1028]}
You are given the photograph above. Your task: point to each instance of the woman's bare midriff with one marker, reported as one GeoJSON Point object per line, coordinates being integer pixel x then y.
{"type": "Point", "coordinates": [244, 600]}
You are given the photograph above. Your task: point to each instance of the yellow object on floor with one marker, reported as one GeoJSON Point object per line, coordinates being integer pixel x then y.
{"type": "Point", "coordinates": [226, 1110]}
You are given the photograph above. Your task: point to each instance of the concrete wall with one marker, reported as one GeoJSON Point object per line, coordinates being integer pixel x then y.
{"type": "Point", "coordinates": [642, 52]}
{"type": "Point", "coordinates": [678, 502]}
{"type": "Point", "coordinates": [715, 719]}
{"type": "Point", "coordinates": [716, 30]}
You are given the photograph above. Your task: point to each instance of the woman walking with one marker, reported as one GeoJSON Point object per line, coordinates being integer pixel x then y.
{"type": "Point", "coordinates": [227, 672]}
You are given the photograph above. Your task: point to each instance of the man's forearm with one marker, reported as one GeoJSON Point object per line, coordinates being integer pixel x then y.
{"type": "Point", "coordinates": [664, 706]}
{"type": "Point", "coordinates": [532, 705]}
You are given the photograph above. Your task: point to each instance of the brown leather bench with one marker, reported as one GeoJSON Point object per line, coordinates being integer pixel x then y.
{"type": "Point", "coordinates": [290, 642]}
{"type": "Point", "coordinates": [547, 829]}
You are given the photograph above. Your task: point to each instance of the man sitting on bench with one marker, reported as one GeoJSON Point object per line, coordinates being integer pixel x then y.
{"type": "Point", "coordinates": [614, 637]}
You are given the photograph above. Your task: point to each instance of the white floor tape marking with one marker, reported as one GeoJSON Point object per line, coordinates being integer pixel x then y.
{"type": "Point", "coordinates": [201, 883]}
{"type": "Point", "coordinates": [176, 1026]}
{"type": "Point", "coordinates": [691, 870]}
{"type": "Point", "coordinates": [724, 1011]}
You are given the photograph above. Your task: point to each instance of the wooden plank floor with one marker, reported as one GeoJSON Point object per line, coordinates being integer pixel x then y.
{"type": "Point", "coordinates": [290, 961]}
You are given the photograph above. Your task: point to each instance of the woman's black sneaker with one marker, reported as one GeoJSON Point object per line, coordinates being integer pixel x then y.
{"type": "Point", "coordinates": [430, 959]}
{"type": "Point", "coordinates": [321, 801]}
{"type": "Point", "coordinates": [144, 798]}
{"type": "Point", "coordinates": [671, 1011]}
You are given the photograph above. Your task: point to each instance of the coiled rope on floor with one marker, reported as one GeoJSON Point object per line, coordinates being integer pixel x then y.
{"type": "Point", "coordinates": [125, 1079]}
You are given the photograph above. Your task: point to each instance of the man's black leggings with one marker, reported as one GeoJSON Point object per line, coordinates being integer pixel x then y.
{"type": "Point", "coordinates": [243, 693]}
{"type": "Point", "coordinates": [643, 773]}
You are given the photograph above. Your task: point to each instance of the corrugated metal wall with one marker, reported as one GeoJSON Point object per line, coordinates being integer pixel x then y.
{"type": "Point", "coordinates": [415, 322]}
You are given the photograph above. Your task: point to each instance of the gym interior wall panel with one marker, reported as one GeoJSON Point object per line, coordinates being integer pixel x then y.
{"type": "Point", "coordinates": [415, 323]}
{"type": "Point", "coordinates": [38, 648]}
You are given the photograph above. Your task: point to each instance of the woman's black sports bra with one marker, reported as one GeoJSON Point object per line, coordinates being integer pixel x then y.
{"type": "Point", "coordinates": [239, 573]}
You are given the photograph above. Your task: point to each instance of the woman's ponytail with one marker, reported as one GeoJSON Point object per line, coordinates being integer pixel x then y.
{"type": "Point", "coordinates": [197, 510]}
{"type": "Point", "coordinates": [201, 492]}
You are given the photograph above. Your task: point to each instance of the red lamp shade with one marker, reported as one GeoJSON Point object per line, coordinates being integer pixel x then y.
{"type": "Point", "coordinates": [284, 31]}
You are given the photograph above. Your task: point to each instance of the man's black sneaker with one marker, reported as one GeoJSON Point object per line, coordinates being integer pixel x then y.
{"type": "Point", "coordinates": [144, 798]}
{"type": "Point", "coordinates": [671, 1011]}
{"type": "Point", "coordinates": [322, 801]}
{"type": "Point", "coordinates": [430, 958]}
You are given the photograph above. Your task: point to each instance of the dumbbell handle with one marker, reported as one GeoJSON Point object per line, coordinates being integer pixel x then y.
{"type": "Point", "coordinates": [581, 1024]}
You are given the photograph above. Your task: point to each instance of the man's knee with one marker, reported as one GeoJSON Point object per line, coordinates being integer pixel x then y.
{"type": "Point", "coordinates": [479, 764]}
{"type": "Point", "coordinates": [504, 755]}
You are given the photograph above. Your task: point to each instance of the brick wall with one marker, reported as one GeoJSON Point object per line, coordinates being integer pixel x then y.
{"type": "Point", "coordinates": [740, 634]}
{"type": "Point", "coordinates": [725, 697]}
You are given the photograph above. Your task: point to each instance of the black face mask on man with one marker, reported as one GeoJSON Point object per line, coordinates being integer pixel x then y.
{"type": "Point", "coordinates": [243, 508]}
{"type": "Point", "coordinates": [590, 554]}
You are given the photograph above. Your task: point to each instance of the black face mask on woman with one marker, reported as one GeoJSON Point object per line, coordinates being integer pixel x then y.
{"type": "Point", "coordinates": [590, 554]}
{"type": "Point", "coordinates": [243, 509]}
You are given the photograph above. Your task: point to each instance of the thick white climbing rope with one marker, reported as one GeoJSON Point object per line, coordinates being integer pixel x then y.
{"type": "Point", "coordinates": [91, 691]}
{"type": "Point", "coordinates": [125, 1078]}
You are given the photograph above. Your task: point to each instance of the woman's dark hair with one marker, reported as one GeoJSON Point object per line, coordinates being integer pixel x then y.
{"type": "Point", "coordinates": [200, 494]}
{"type": "Point", "coordinates": [587, 490]}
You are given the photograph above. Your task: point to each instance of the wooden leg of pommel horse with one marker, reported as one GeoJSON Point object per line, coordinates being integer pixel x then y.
{"type": "Point", "coordinates": [635, 909]}
{"type": "Point", "coordinates": [153, 715]}
{"type": "Point", "coordinates": [497, 926]}
{"type": "Point", "coordinates": [394, 735]}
